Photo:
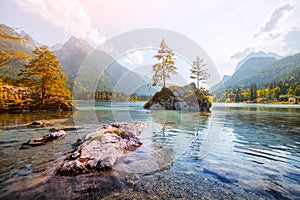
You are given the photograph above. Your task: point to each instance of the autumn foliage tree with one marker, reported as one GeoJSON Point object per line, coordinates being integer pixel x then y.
{"type": "Point", "coordinates": [9, 57]}
{"type": "Point", "coordinates": [165, 66]}
{"type": "Point", "coordinates": [198, 71]}
{"type": "Point", "coordinates": [44, 75]}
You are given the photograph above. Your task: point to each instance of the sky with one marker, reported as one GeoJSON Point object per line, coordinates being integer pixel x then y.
{"type": "Point", "coordinates": [227, 30]}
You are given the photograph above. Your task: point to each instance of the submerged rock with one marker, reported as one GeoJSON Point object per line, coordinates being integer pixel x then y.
{"type": "Point", "coordinates": [187, 97]}
{"type": "Point", "coordinates": [43, 140]}
{"type": "Point", "coordinates": [36, 124]}
{"type": "Point", "coordinates": [102, 148]}
{"type": "Point", "coordinates": [65, 128]}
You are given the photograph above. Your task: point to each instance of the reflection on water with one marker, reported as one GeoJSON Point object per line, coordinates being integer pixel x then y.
{"type": "Point", "coordinates": [249, 148]}
{"type": "Point", "coordinates": [14, 120]}
{"type": "Point", "coordinates": [266, 140]}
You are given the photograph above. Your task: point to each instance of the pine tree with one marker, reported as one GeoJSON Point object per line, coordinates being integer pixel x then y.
{"type": "Point", "coordinates": [165, 66]}
{"type": "Point", "coordinates": [253, 92]}
{"type": "Point", "coordinates": [44, 75]}
{"type": "Point", "coordinates": [198, 72]}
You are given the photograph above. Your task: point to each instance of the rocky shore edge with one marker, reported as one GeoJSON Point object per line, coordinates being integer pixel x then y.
{"type": "Point", "coordinates": [14, 99]}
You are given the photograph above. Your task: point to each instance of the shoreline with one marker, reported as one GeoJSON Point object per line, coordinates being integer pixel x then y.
{"type": "Point", "coordinates": [74, 107]}
{"type": "Point", "coordinates": [250, 103]}
{"type": "Point", "coordinates": [41, 108]}
{"type": "Point", "coordinates": [30, 110]}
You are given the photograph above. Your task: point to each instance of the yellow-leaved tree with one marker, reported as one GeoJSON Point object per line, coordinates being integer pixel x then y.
{"type": "Point", "coordinates": [9, 57]}
{"type": "Point", "coordinates": [43, 74]}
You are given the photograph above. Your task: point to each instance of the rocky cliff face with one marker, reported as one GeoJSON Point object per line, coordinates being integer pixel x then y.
{"type": "Point", "coordinates": [187, 97]}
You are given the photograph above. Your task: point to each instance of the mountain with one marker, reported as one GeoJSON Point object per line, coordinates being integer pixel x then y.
{"type": "Point", "coordinates": [225, 78]}
{"type": "Point", "coordinates": [30, 42]}
{"type": "Point", "coordinates": [281, 70]}
{"type": "Point", "coordinates": [56, 47]}
{"type": "Point", "coordinates": [239, 77]}
{"type": "Point", "coordinates": [262, 71]}
{"type": "Point", "coordinates": [257, 55]}
{"type": "Point", "coordinates": [99, 70]}
{"type": "Point", "coordinates": [86, 66]}
{"type": "Point", "coordinates": [220, 84]}
{"type": "Point", "coordinates": [251, 66]}
{"type": "Point", "coordinates": [71, 55]}
{"type": "Point", "coordinates": [9, 72]}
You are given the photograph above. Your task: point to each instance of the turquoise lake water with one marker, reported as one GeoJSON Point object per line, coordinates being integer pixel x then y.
{"type": "Point", "coordinates": [236, 151]}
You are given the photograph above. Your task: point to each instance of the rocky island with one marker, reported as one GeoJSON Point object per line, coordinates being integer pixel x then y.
{"type": "Point", "coordinates": [187, 97]}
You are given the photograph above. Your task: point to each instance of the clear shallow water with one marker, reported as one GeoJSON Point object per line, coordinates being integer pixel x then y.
{"type": "Point", "coordinates": [237, 151]}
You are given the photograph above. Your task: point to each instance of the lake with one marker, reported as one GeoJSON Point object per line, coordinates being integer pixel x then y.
{"type": "Point", "coordinates": [236, 151]}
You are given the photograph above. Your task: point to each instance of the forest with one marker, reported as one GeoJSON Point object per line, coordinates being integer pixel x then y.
{"type": "Point", "coordinates": [263, 80]}
{"type": "Point", "coordinates": [282, 91]}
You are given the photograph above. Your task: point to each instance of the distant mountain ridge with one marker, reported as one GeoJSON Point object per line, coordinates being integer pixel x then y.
{"type": "Point", "coordinates": [257, 54]}
{"type": "Point", "coordinates": [56, 47]}
{"type": "Point", "coordinates": [31, 43]}
{"type": "Point", "coordinates": [97, 65]}
{"type": "Point", "coordinates": [262, 71]}
{"type": "Point", "coordinates": [281, 70]}
{"type": "Point", "coordinates": [220, 84]}
{"type": "Point", "coordinates": [71, 55]}
{"type": "Point", "coordinates": [11, 71]}
{"type": "Point", "coordinates": [239, 77]}
{"type": "Point", "coordinates": [251, 66]}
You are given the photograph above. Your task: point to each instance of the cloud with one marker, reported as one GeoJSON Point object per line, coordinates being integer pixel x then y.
{"type": "Point", "coordinates": [66, 14]}
{"type": "Point", "coordinates": [292, 39]}
{"type": "Point", "coordinates": [278, 13]}
{"type": "Point", "coordinates": [243, 54]}
{"type": "Point", "coordinates": [134, 58]}
{"type": "Point", "coordinates": [275, 35]}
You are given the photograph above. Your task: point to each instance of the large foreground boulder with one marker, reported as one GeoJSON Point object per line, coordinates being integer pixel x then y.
{"type": "Point", "coordinates": [102, 148]}
{"type": "Point", "coordinates": [187, 97]}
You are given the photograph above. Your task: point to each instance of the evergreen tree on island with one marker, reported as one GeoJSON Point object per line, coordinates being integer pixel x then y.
{"type": "Point", "coordinates": [187, 97]}
{"type": "Point", "coordinates": [165, 65]}
{"type": "Point", "coordinates": [44, 75]}
{"type": "Point", "coordinates": [198, 71]}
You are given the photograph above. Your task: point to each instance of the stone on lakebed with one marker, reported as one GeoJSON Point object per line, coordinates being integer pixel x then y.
{"type": "Point", "coordinates": [44, 139]}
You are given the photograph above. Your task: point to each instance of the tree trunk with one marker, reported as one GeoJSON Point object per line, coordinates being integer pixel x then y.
{"type": "Point", "coordinates": [164, 77]}
{"type": "Point", "coordinates": [43, 92]}
{"type": "Point", "coordinates": [43, 96]}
